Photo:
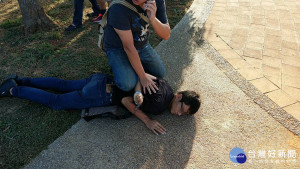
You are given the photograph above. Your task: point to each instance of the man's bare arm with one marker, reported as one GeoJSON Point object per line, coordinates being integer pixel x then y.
{"type": "Point", "coordinates": [161, 29]}
{"type": "Point", "coordinates": [134, 59]}
{"type": "Point", "coordinates": [138, 96]}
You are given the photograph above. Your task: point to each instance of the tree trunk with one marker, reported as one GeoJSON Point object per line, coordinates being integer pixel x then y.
{"type": "Point", "coordinates": [34, 17]}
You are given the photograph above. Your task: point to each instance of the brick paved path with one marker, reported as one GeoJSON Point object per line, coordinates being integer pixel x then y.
{"type": "Point", "coordinates": [261, 39]}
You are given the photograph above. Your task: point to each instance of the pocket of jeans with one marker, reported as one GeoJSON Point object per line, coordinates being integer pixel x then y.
{"type": "Point", "coordinates": [92, 90]}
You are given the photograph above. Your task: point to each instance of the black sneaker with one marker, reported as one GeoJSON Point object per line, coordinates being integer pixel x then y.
{"type": "Point", "coordinates": [18, 79]}
{"type": "Point", "coordinates": [72, 27]}
{"type": "Point", "coordinates": [6, 86]}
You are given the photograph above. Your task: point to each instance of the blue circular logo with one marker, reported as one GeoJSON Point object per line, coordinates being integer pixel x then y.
{"type": "Point", "coordinates": [237, 155]}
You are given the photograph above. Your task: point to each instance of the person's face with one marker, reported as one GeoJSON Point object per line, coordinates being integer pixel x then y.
{"type": "Point", "coordinates": [179, 108]}
{"type": "Point", "coordinates": [139, 2]}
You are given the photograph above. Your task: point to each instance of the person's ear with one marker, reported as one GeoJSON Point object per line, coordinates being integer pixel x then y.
{"type": "Point", "coordinates": [179, 97]}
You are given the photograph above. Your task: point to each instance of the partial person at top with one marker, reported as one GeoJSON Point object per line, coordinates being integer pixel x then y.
{"type": "Point", "coordinates": [78, 12]}
{"type": "Point", "coordinates": [102, 5]}
{"type": "Point", "coordinates": [126, 42]}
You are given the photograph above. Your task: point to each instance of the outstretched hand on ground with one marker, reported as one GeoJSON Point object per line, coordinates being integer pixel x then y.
{"type": "Point", "coordinates": [156, 127]}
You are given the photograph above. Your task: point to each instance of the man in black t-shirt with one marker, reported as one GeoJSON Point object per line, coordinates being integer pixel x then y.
{"type": "Point", "coordinates": [126, 43]}
{"type": "Point", "coordinates": [154, 103]}
{"type": "Point", "coordinates": [181, 103]}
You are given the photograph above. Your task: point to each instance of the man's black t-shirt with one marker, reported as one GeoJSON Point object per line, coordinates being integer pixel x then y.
{"type": "Point", "coordinates": [154, 103]}
{"type": "Point", "coordinates": [158, 102]}
{"type": "Point", "coordinates": [123, 18]}
{"type": "Point", "coordinates": [118, 94]}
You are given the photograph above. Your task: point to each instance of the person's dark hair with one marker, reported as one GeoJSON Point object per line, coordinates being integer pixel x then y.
{"type": "Point", "coordinates": [192, 99]}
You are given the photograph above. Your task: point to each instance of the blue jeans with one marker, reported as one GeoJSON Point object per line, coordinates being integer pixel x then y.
{"type": "Point", "coordinates": [76, 94]}
{"type": "Point", "coordinates": [78, 12]}
{"type": "Point", "coordinates": [124, 75]}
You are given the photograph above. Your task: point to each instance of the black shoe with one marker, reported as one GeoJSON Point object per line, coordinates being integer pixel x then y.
{"type": "Point", "coordinates": [18, 79]}
{"type": "Point", "coordinates": [72, 27]}
{"type": "Point", "coordinates": [6, 86]}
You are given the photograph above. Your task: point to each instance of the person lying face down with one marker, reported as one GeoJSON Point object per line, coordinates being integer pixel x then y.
{"type": "Point", "coordinates": [99, 90]}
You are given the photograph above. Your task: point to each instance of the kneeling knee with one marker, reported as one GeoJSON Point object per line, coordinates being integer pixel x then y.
{"type": "Point", "coordinates": [126, 86]}
{"type": "Point", "coordinates": [161, 73]}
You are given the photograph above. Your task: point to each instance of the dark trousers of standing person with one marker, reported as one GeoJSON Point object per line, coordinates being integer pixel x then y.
{"type": "Point", "coordinates": [78, 12]}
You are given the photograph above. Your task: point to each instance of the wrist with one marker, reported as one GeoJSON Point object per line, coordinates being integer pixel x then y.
{"type": "Point", "coordinates": [137, 92]}
{"type": "Point", "coordinates": [141, 75]}
{"type": "Point", "coordinates": [136, 97]}
{"type": "Point", "coordinates": [147, 121]}
{"type": "Point", "coordinates": [152, 20]}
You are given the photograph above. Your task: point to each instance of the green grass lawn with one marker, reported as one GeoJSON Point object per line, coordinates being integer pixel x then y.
{"type": "Point", "coordinates": [27, 128]}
